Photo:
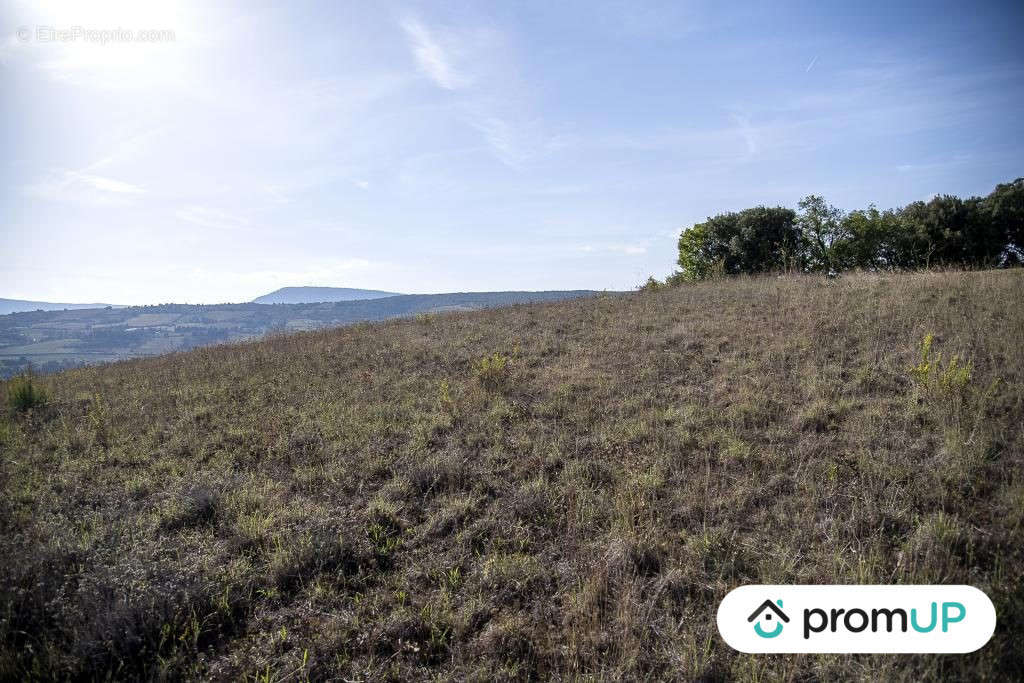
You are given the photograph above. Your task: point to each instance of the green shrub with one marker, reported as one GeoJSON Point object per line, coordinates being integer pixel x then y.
{"type": "Point", "coordinates": [493, 371]}
{"type": "Point", "coordinates": [23, 394]}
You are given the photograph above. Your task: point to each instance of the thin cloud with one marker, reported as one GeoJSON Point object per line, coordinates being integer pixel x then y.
{"type": "Point", "coordinates": [107, 184]}
{"type": "Point", "coordinates": [207, 217]}
{"type": "Point", "coordinates": [477, 60]}
{"type": "Point", "coordinates": [431, 57]}
{"type": "Point", "coordinates": [746, 132]}
{"type": "Point", "coordinates": [502, 139]}
{"type": "Point", "coordinates": [83, 188]}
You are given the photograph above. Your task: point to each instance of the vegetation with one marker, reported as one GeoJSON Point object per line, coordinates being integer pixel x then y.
{"type": "Point", "coordinates": [561, 490]}
{"type": "Point", "coordinates": [24, 394]}
{"type": "Point", "coordinates": [945, 231]}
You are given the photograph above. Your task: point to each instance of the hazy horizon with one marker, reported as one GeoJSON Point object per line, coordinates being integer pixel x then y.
{"type": "Point", "coordinates": [414, 148]}
{"type": "Point", "coordinates": [264, 294]}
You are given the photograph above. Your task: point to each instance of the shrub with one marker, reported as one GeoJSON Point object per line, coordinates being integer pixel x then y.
{"type": "Point", "coordinates": [23, 394]}
{"type": "Point", "coordinates": [652, 285]}
{"type": "Point", "coordinates": [493, 371]}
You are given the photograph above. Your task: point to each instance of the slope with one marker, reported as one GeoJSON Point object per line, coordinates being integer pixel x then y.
{"type": "Point", "coordinates": [549, 490]}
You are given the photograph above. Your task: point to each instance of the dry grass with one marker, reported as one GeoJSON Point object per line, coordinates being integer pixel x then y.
{"type": "Point", "coordinates": [379, 502]}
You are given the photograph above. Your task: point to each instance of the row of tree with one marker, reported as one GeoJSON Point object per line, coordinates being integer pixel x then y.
{"type": "Point", "coordinates": [946, 231]}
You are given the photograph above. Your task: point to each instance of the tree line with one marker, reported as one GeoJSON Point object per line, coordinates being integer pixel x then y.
{"type": "Point", "coordinates": [945, 231]}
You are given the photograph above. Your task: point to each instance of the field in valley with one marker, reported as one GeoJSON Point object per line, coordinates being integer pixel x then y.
{"type": "Point", "coordinates": [557, 490]}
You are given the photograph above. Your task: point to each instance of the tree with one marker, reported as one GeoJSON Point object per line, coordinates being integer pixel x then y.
{"type": "Point", "coordinates": [768, 240]}
{"type": "Point", "coordinates": [948, 230]}
{"type": "Point", "coordinates": [1005, 208]}
{"type": "Point", "coordinates": [751, 241]}
{"type": "Point", "coordinates": [872, 240]}
{"type": "Point", "coordinates": [821, 226]}
{"type": "Point", "coordinates": [945, 230]}
{"type": "Point", "coordinates": [695, 253]}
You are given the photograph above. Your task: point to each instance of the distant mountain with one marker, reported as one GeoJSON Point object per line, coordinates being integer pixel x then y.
{"type": "Point", "coordinates": [21, 306]}
{"type": "Point", "coordinates": [316, 295]}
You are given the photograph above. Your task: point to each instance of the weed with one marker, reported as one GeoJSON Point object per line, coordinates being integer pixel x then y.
{"type": "Point", "coordinates": [444, 399]}
{"type": "Point", "coordinates": [933, 376]}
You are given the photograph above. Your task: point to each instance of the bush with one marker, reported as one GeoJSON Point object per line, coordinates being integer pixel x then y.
{"type": "Point", "coordinates": [493, 371]}
{"type": "Point", "coordinates": [652, 285]}
{"type": "Point", "coordinates": [23, 394]}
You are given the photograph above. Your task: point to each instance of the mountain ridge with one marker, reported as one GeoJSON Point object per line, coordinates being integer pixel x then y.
{"type": "Point", "coordinates": [28, 306]}
{"type": "Point", "coordinates": [316, 295]}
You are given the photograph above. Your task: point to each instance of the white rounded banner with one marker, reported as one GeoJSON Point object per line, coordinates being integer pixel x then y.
{"type": "Point", "coordinates": [856, 619]}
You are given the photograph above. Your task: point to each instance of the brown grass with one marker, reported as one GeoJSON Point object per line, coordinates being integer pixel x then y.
{"type": "Point", "coordinates": [373, 502]}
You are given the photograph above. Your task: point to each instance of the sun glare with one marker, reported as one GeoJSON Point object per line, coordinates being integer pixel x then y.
{"type": "Point", "coordinates": [110, 43]}
{"type": "Point", "coordinates": [110, 14]}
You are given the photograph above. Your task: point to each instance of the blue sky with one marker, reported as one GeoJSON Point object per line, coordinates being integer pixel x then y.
{"type": "Point", "coordinates": [428, 147]}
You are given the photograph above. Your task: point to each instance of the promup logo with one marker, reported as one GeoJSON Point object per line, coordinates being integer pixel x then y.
{"type": "Point", "coordinates": [766, 612]}
{"type": "Point", "coordinates": [857, 619]}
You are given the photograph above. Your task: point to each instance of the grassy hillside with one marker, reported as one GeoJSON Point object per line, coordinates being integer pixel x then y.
{"type": "Point", "coordinates": [379, 501]}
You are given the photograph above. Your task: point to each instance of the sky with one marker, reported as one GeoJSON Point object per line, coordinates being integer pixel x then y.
{"type": "Point", "coordinates": [221, 150]}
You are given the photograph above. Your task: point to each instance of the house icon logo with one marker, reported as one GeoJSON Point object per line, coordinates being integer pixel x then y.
{"type": "Point", "coordinates": [765, 615]}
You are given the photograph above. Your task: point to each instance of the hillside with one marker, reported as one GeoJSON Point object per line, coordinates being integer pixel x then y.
{"type": "Point", "coordinates": [57, 340]}
{"type": "Point", "coordinates": [312, 295]}
{"type": "Point", "coordinates": [378, 501]}
{"type": "Point", "coordinates": [20, 305]}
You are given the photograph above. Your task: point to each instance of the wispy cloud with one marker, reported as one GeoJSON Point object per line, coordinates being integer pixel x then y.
{"type": "Point", "coordinates": [747, 132]}
{"type": "Point", "coordinates": [278, 193]}
{"type": "Point", "coordinates": [936, 165]}
{"type": "Point", "coordinates": [503, 139]}
{"type": "Point", "coordinates": [477, 61]}
{"type": "Point", "coordinates": [107, 184]}
{"type": "Point", "coordinates": [811, 65]}
{"type": "Point", "coordinates": [83, 188]}
{"type": "Point", "coordinates": [433, 58]}
{"type": "Point", "coordinates": [207, 217]}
